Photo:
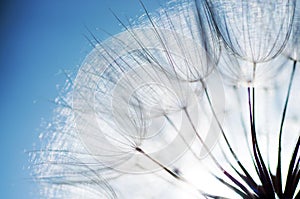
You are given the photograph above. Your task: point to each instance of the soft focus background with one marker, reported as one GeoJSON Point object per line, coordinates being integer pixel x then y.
{"type": "Point", "coordinates": [40, 39]}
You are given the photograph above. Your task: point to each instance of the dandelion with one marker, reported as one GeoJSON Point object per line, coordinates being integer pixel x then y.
{"type": "Point", "coordinates": [143, 115]}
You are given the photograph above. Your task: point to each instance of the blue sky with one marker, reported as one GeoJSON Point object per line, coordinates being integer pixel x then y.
{"type": "Point", "coordinates": [39, 39]}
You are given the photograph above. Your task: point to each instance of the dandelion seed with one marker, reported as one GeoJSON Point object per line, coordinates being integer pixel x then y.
{"type": "Point", "coordinates": [254, 32]}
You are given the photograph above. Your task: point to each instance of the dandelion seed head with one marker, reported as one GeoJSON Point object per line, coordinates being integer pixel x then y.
{"type": "Point", "coordinates": [148, 104]}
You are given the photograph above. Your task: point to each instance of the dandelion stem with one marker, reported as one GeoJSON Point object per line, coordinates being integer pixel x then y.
{"type": "Point", "coordinates": [278, 171]}
{"type": "Point", "coordinates": [172, 173]}
{"type": "Point", "coordinates": [138, 149]}
{"type": "Point", "coordinates": [260, 165]}
{"type": "Point", "coordinates": [293, 174]}
{"type": "Point", "coordinates": [228, 175]}
{"type": "Point", "coordinates": [225, 137]}
{"type": "Point", "coordinates": [181, 136]}
{"type": "Point", "coordinates": [243, 124]}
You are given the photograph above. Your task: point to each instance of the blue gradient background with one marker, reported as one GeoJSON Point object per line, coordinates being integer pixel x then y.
{"type": "Point", "coordinates": [39, 38]}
